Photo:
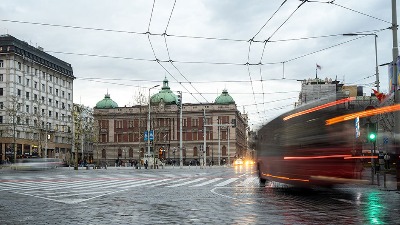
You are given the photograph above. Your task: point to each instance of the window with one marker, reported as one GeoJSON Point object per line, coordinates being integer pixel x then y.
{"type": "Point", "coordinates": [49, 113]}
{"type": "Point", "coordinates": [43, 75]}
{"type": "Point", "coordinates": [27, 82]}
{"type": "Point", "coordinates": [1, 63]}
{"type": "Point", "coordinates": [50, 90]}
{"type": "Point", "coordinates": [1, 119]}
{"type": "Point", "coordinates": [56, 103]}
{"type": "Point", "coordinates": [62, 105]}
{"type": "Point", "coordinates": [35, 97]}
{"type": "Point", "coordinates": [63, 94]}
{"type": "Point", "coordinates": [27, 108]}
{"type": "Point", "coordinates": [50, 101]}
{"type": "Point", "coordinates": [69, 96]}
{"type": "Point", "coordinates": [43, 87]}
{"type": "Point", "coordinates": [35, 85]}
{"type": "Point", "coordinates": [118, 124]}
{"type": "Point", "coordinates": [42, 99]}
{"type": "Point", "coordinates": [1, 77]}
{"type": "Point", "coordinates": [56, 115]}
{"type": "Point", "coordinates": [27, 95]}
{"type": "Point", "coordinates": [19, 92]}
{"type": "Point", "coordinates": [19, 65]}
{"type": "Point", "coordinates": [56, 91]}
{"type": "Point", "coordinates": [20, 79]}
{"type": "Point", "coordinates": [1, 91]}
{"type": "Point", "coordinates": [43, 112]}
{"type": "Point", "coordinates": [51, 78]}
{"type": "Point", "coordinates": [1, 105]}
{"type": "Point", "coordinates": [35, 110]}
{"type": "Point", "coordinates": [27, 121]}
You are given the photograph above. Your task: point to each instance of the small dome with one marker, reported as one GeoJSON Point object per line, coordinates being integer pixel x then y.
{"type": "Point", "coordinates": [224, 98]}
{"type": "Point", "coordinates": [106, 103]}
{"type": "Point", "coordinates": [165, 95]}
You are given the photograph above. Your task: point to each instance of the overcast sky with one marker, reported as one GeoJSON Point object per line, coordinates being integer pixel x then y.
{"type": "Point", "coordinates": [113, 46]}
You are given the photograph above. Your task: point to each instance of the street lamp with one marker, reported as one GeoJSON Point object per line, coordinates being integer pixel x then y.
{"type": "Point", "coordinates": [376, 53]}
{"type": "Point", "coordinates": [148, 123]}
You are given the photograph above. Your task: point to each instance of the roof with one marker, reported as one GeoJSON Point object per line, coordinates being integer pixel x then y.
{"type": "Point", "coordinates": [106, 103]}
{"type": "Point", "coordinates": [165, 95]}
{"type": "Point", "coordinates": [224, 98]}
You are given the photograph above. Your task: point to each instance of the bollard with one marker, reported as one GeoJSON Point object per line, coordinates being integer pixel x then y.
{"type": "Point", "coordinates": [384, 179]}
{"type": "Point", "coordinates": [377, 179]}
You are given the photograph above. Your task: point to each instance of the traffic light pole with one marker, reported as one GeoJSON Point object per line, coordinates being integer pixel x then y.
{"type": "Point", "coordinates": [395, 53]}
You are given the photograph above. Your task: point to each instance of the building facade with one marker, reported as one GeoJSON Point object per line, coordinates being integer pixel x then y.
{"type": "Point", "coordinates": [36, 102]}
{"type": "Point", "coordinates": [122, 130]}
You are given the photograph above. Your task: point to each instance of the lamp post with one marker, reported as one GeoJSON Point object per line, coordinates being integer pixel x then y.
{"type": "Point", "coordinates": [148, 123]}
{"type": "Point", "coordinates": [376, 53]}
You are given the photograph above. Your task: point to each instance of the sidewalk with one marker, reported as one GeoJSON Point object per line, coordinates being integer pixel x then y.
{"type": "Point", "coordinates": [142, 167]}
{"type": "Point", "coordinates": [389, 185]}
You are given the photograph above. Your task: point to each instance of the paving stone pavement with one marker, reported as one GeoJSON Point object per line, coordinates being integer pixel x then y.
{"type": "Point", "coordinates": [218, 195]}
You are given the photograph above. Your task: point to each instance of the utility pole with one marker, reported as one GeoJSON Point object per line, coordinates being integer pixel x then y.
{"type": "Point", "coordinates": [396, 130]}
{"type": "Point", "coordinates": [205, 141]}
{"type": "Point", "coordinates": [180, 131]}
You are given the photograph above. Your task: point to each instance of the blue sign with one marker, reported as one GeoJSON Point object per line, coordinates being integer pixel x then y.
{"type": "Point", "coordinates": [146, 135]}
{"type": "Point", "coordinates": [151, 135]}
{"type": "Point", "coordinates": [385, 140]}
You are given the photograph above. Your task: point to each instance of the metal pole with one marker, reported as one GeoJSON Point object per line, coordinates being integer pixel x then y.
{"type": "Point", "coordinates": [148, 122]}
{"type": "Point", "coordinates": [376, 64]}
{"type": "Point", "coordinates": [180, 133]}
{"type": "Point", "coordinates": [81, 141]}
{"type": "Point", "coordinates": [14, 144]}
{"type": "Point", "coordinates": [148, 128]}
{"type": "Point", "coordinates": [205, 139]}
{"type": "Point", "coordinates": [219, 145]}
{"type": "Point", "coordinates": [229, 157]}
{"type": "Point", "coordinates": [45, 149]}
{"type": "Point", "coordinates": [395, 52]}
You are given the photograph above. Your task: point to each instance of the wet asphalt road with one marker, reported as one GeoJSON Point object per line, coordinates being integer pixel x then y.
{"type": "Point", "coordinates": [217, 195]}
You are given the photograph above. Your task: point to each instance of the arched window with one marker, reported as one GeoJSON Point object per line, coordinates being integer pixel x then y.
{"type": "Point", "coordinates": [103, 153]}
{"type": "Point", "coordinates": [224, 150]}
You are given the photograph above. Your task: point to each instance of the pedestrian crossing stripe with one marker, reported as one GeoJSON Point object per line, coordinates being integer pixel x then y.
{"type": "Point", "coordinates": [74, 190]}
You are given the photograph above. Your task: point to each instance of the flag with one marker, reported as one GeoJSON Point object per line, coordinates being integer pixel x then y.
{"type": "Point", "coordinates": [319, 67]}
{"type": "Point", "coordinates": [380, 96]}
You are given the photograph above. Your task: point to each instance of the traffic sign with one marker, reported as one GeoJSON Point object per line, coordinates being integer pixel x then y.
{"type": "Point", "coordinates": [151, 135]}
{"type": "Point", "coordinates": [146, 136]}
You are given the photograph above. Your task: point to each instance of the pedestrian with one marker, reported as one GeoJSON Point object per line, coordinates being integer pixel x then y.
{"type": "Point", "coordinates": [387, 161]}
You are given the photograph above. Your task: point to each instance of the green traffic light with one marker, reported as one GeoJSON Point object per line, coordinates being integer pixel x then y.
{"type": "Point", "coordinates": [372, 136]}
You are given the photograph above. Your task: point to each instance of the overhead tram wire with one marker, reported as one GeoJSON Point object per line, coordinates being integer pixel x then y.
{"type": "Point", "coordinates": [361, 13]}
{"type": "Point", "coordinates": [265, 42]}
{"type": "Point", "coordinates": [170, 60]}
{"type": "Point", "coordinates": [158, 61]}
{"type": "Point", "coordinates": [171, 35]}
{"type": "Point", "coordinates": [252, 39]}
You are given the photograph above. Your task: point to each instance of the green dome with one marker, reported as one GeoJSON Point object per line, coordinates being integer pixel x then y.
{"type": "Point", "coordinates": [224, 98]}
{"type": "Point", "coordinates": [164, 95]}
{"type": "Point", "coordinates": [106, 103]}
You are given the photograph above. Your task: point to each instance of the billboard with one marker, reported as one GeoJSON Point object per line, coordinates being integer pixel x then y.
{"type": "Point", "coordinates": [391, 77]}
